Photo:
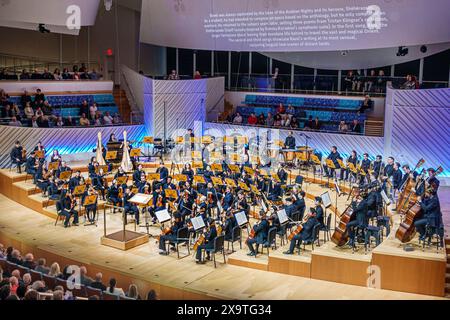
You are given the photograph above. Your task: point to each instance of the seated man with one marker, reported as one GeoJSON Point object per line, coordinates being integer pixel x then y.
{"type": "Point", "coordinates": [306, 234]}
{"type": "Point", "coordinates": [68, 206]}
{"type": "Point", "coordinates": [130, 208]}
{"type": "Point", "coordinates": [172, 236]}
{"type": "Point", "coordinates": [360, 209]}
{"type": "Point", "coordinates": [16, 156]}
{"type": "Point", "coordinates": [432, 212]}
{"type": "Point", "coordinates": [261, 231]}
{"type": "Point", "coordinates": [208, 244]}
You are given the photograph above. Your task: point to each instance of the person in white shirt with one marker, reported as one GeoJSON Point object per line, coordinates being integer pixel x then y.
{"type": "Point", "coordinates": [34, 123]}
{"type": "Point", "coordinates": [59, 122]}
{"type": "Point", "coordinates": [107, 119]}
{"type": "Point", "coordinates": [93, 110]}
{"type": "Point", "coordinates": [237, 118]}
{"type": "Point", "coordinates": [14, 122]}
{"type": "Point", "coordinates": [113, 290]}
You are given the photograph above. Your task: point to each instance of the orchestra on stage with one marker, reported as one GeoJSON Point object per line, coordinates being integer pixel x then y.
{"type": "Point", "coordinates": [225, 192]}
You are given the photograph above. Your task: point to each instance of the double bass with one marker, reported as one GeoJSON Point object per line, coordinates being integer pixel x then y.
{"type": "Point", "coordinates": [406, 230]}
{"type": "Point", "coordinates": [340, 234]}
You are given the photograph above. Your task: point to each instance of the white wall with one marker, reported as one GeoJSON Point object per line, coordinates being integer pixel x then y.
{"type": "Point", "coordinates": [102, 36]}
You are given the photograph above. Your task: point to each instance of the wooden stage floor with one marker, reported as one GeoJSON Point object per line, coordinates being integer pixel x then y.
{"type": "Point", "coordinates": [30, 231]}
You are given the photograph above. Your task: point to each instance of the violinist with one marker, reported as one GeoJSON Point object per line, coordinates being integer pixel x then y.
{"type": "Point", "coordinates": [187, 170]}
{"type": "Point", "coordinates": [169, 184]}
{"type": "Point", "coordinates": [130, 208]}
{"type": "Point", "coordinates": [74, 181]}
{"type": "Point", "coordinates": [306, 234]}
{"type": "Point", "coordinates": [69, 204]}
{"type": "Point", "coordinates": [53, 191]}
{"type": "Point", "coordinates": [92, 166]}
{"type": "Point", "coordinates": [202, 208]}
{"type": "Point", "coordinates": [163, 173]}
{"type": "Point", "coordinates": [230, 223]}
{"type": "Point", "coordinates": [432, 212]}
{"type": "Point", "coordinates": [98, 182]}
{"type": "Point", "coordinates": [275, 191]}
{"type": "Point", "coordinates": [210, 236]}
{"type": "Point", "coordinates": [319, 211]}
{"type": "Point", "coordinates": [113, 195]}
{"type": "Point", "coordinates": [137, 174]}
{"type": "Point", "coordinates": [43, 180]}
{"type": "Point", "coordinates": [185, 204]}
{"type": "Point", "coordinates": [211, 195]}
{"type": "Point", "coordinates": [192, 193]}
{"type": "Point", "coordinates": [171, 237]}
{"type": "Point", "coordinates": [289, 206]}
{"type": "Point", "coordinates": [63, 168]}
{"type": "Point", "coordinates": [299, 201]}
{"type": "Point", "coordinates": [360, 210]}
{"type": "Point", "coordinates": [55, 157]}
{"type": "Point", "coordinates": [241, 203]}
{"type": "Point", "coordinates": [91, 208]}
{"type": "Point", "coordinates": [32, 165]}
{"type": "Point", "coordinates": [159, 198]}
{"type": "Point", "coordinates": [228, 199]}
{"type": "Point", "coordinates": [282, 174]}
{"type": "Point", "coordinates": [17, 156]}
{"type": "Point", "coordinates": [40, 147]}
{"type": "Point", "coordinates": [208, 173]}
{"type": "Point", "coordinates": [260, 231]}
{"type": "Point", "coordinates": [121, 173]}
{"type": "Point", "coordinates": [142, 184]}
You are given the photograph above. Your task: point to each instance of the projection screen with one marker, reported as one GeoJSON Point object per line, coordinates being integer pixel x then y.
{"type": "Point", "coordinates": [294, 25]}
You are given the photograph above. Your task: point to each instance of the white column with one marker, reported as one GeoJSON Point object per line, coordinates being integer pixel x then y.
{"type": "Point", "coordinates": [249, 63]}
{"type": "Point", "coordinates": [88, 48]}
{"type": "Point", "coordinates": [339, 80]}
{"type": "Point", "coordinates": [212, 63]}
{"type": "Point", "coordinates": [270, 66]}
{"type": "Point", "coordinates": [421, 70]}
{"type": "Point", "coordinates": [194, 64]}
{"type": "Point", "coordinates": [229, 69]}
{"type": "Point", "coordinates": [60, 51]}
{"type": "Point", "coordinates": [315, 76]}
{"type": "Point", "coordinates": [176, 60]}
{"type": "Point", "coordinates": [393, 70]}
{"type": "Point", "coordinates": [292, 76]}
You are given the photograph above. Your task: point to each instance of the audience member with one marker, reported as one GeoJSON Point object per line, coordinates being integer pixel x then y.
{"type": "Point", "coordinates": [84, 121]}
{"type": "Point", "coordinates": [133, 292]}
{"type": "Point", "coordinates": [342, 127]}
{"type": "Point", "coordinates": [84, 278]}
{"type": "Point", "coordinates": [173, 75]}
{"type": "Point", "coordinates": [98, 284]}
{"type": "Point", "coordinates": [14, 122]}
{"type": "Point", "coordinates": [237, 118]}
{"type": "Point", "coordinates": [197, 75]}
{"type": "Point", "coordinates": [107, 119]}
{"type": "Point", "coordinates": [252, 119]}
{"type": "Point", "coordinates": [29, 261]}
{"type": "Point", "coordinates": [356, 127]}
{"type": "Point", "coordinates": [41, 266]}
{"type": "Point", "coordinates": [113, 290]}
{"type": "Point", "coordinates": [55, 270]}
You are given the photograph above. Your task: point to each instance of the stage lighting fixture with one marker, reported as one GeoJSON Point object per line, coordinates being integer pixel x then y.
{"type": "Point", "coordinates": [108, 4]}
{"type": "Point", "coordinates": [43, 29]}
{"type": "Point", "coordinates": [402, 51]}
{"type": "Point", "coordinates": [423, 49]}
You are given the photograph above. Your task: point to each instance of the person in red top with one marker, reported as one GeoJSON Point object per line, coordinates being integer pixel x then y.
{"type": "Point", "coordinates": [252, 119]}
{"type": "Point", "coordinates": [197, 75]}
{"type": "Point", "coordinates": [281, 109]}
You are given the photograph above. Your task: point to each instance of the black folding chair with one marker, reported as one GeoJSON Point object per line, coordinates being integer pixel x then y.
{"type": "Point", "coordinates": [236, 235]}
{"type": "Point", "coordinates": [218, 248]}
{"type": "Point", "coordinates": [182, 238]}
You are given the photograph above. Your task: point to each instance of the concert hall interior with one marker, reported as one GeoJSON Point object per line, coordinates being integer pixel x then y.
{"type": "Point", "coordinates": [239, 150]}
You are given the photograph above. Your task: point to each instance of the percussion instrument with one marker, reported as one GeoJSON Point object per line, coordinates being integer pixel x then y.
{"type": "Point", "coordinates": [288, 154]}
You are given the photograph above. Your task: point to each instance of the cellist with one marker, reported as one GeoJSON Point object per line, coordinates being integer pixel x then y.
{"type": "Point", "coordinates": [306, 234]}
{"type": "Point", "coordinates": [260, 231]}
{"type": "Point", "coordinates": [432, 212]}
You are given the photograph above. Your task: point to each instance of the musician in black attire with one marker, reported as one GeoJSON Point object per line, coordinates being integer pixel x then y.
{"type": "Point", "coordinates": [299, 202]}
{"type": "Point", "coordinates": [378, 166]}
{"type": "Point", "coordinates": [74, 181]}
{"type": "Point", "coordinates": [16, 156]}
{"type": "Point", "coordinates": [30, 166]}
{"type": "Point", "coordinates": [230, 223]}
{"type": "Point", "coordinates": [68, 205]}
{"type": "Point", "coordinates": [91, 167]}
{"type": "Point", "coordinates": [163, 173]}
{"type": "Point", "coordinates": [241, 203]}
{"type": "Point", "coordinates": [360, 210]}
{"type": "Point", "coordinates": [306, 234]}
{"type": "Point", "coordinates": [210, 236]}
{"type": "Point", "coordinates": [353, 158]}
{"type": "Point", "coordinates": [275, 191]}
{"type": "Point", "coordinates": [432, 213]}
{"type": "Point", "coordinates": [113, 195]}
{"type": "Point", "coordinates": [130, 208]}
{"type": "Point", "coordinates": [177, 225]}
{"type": "Point", "coordinates": [408, 173]}
{"type": "Point", "coordinates": [365, 166]}
{"type": "Point", "coordinates": [261, 232]}
{"type": "Point", "coordinates": [289, 143]}
{"type": "Point", "coordinates": [137, 174]}
{"type": "Point", "coordinates": [320, 216]}
{"type": "Point", "coordinates": [91, 209]}
{"type": "Point", "coordinates": [289, 207]}
{"type": "Point", "coordinates": [397, 176]}
{"type": "Point", "coordinates": [282, 174]}
{"type": "Point", "coordinates": [98, 182]}
{"type": "Point", "coordinates": [333, 156]}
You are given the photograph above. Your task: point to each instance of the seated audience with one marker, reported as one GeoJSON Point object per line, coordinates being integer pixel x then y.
{"type": "Point", "coordinates": [356, 127]}
{"type": "Point", "coordinates": [107, 119]}
{"type": "Point", "coordinates": [173, 75]}
{"type": "Point", "coordinates": [342, 127]}
{"type": "Point", "coordinates": [14, 122]}
{"type": "Point", "coordinates": [113, 290]}
{"type": "Point", "coordinates": [41, 266]}
{"type": "Point", "coordinates": [97, 283]}
{"type": "Point", "coordinates": [84, 121]}
{"type": "Point", "coordinates": [252, 119]}
{"type": "Point", "coordinates": [237, 118]}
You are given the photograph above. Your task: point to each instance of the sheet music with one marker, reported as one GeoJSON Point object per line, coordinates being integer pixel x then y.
{"type": "Point", "coordinates": [282, 216]}
{"type": "Point", "coordinates": [326, 199]}
{"type": "Point", "coordinates": [385, 197]}
{"type": "Point", "coordinates": [241, 218]}
{"type": "Point", "coordinates": [198, 223]}
{"type": "Point", "coordinates": [162, 216]}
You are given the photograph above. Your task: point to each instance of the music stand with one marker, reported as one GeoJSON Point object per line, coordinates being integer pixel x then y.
{"type": "Point", "coordinates": [234, 168]}
{"type": "Point", "coordinates": [65, 175]}
{"type": "Point", "coordinates": [249, 170]}
{"type": "Point", "coordinates": [90, 200]}
{"type": "Point", "coordinates": [255, 190]}
{"type": "Point", "coordinates": [197, 165]}
{"type": "Point", "coordinates": [217, 182]}
{"type": "Point", "coordinates": [230, 182]}
{"type": "Point", "coordinates": [142, 200]}
{"type": "Point", "coordinates": [136, 152]}
{"type": "Point", "coordinates": [111, 155]}
{"type": "Point", "coordinates": [315, 159]}
{"type": "Point", "coordinates": [53, 165]}
{"type": "Point", "coordinates": [104, 168]}
{"type": "Point", "coordinates": [122, 180]}
{"type": "Point", "coordinates": [199, 179]}
{"type": "Point", "coordinates": [330, 165]}
{"type": "Point", "coordinates": [217, 167]}
{"type": "Point", "coordinates": [282, 216]}
{"type": "Point", "coordinates": [198, 223]}
{"type": "Point", "coordinates": [241, 218]}
{"type": "Point", "coordinates": [154, 176]}
{"type": "Point", "coordinates": [243, 186]}
{"type": "Point", "coordinates": [40, 154]}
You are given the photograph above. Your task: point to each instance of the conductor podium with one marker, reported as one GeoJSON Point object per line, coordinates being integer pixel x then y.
{"type": "Point", "coordinates": [126, 239]}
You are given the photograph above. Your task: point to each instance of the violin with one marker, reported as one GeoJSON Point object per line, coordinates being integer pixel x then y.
{"type": "Point", "coordinates": [24, 153]}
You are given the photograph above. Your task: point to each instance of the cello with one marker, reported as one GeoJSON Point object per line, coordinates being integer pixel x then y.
{"type": "Point", "coordinates": [340, 234]}
{"type": "Point", "coordinates": [406, 230]}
